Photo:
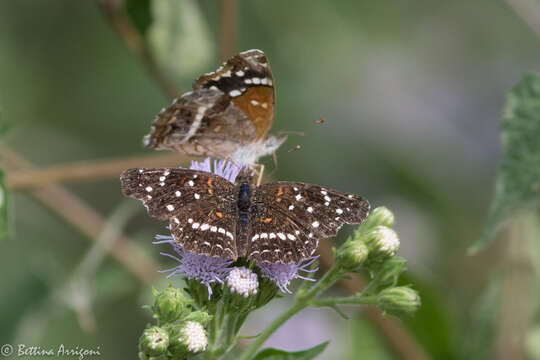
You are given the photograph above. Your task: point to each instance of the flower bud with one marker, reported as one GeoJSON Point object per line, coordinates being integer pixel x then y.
{"type": "Point", "coordinates": [351, 255]}
{"type": "Point", "coordinates": [187, 338]}
{"type": "Point", "coordinates": [154, 341]}
{"type": "Point", "coordinates": [380, 216]}
{"type": "Point", "coordinates": [169, 304]}
{"type": "Point", "coordinates": [400, 300]}
{"type": "Point", "coordinates": [388, 272]}
{"type": "Point", "coordinates": [382, 242]}
{"type": "Point", "coordinates": [202, 317]}
{"type": "Point", "coordinates": [242, 286]}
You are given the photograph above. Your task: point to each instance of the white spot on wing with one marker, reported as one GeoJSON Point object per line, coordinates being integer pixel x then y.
{"type": "Point", "coordinates": [339, 211]}
{"type": "Point", "coordinates": [291, 237]}
{"type": "Point", "coordinates": [177, 193]}
{"type": "Point", "coordinates": [310, 209]}
{"type": "Point", "coordinates": [315, 224]}
{"type": "Point", "coordinates": [195, 225]}
{"type": "Point", "coordinates": [197, 196]}
{"type": "Point", "coordinates": [281, 236]}
{"type": "Point", "coordinates": [170, 207]}
{"type": "Point", "coordinates": [298, 197]}
{"type": "Point", "coordinates": [205, 227]}
{"type": "Point", "coordinates": [234, 93]}
{"type": "Point", "coordinates": [148, 188]}
{"type": "Point", "coordinates": [291, 207]}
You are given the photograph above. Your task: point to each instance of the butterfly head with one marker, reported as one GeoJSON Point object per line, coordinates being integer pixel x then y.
{"type": "Point", "coordinates": [245, 176]}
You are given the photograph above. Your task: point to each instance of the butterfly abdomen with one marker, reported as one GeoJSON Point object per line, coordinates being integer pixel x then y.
{"type": "Point", "coordinates": [243, 204]}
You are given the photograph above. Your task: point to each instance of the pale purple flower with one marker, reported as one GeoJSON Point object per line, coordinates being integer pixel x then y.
{"type": "Point", "coordinates": [224, 168]}
{"type": "Point", "coordinates": [282, 274]}
{"type": "Point", "coordinates": [206, 269]}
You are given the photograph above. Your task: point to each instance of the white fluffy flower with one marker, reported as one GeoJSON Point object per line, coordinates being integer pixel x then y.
{"type": "Point", "coordinates": [193, 336]}
{"type": "Point", "coordinates": [387, 240]}
{"type": "Point", "coordinates": [243, 281]}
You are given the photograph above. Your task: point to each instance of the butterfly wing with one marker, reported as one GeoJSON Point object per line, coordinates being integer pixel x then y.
{"type": "Point", "coordinates": [302, 214]}
{"type": "Point", "coordinates": [228, 109]}
{"type": "Point", "coordinates": [199, 205]}
{"type": "Point", "coordinates": [247, 79]}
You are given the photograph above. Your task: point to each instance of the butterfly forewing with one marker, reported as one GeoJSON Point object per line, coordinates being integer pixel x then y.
{"type": "Point", "coordinates": [167, 192]}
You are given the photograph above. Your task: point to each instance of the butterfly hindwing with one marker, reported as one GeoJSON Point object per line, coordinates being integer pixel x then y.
{"type": "Point", "coordinates": [229, 110]}
{"type": "Point", "coordinates": [306, 212]}
{"type": "Point", "coordinates": [208, 229]}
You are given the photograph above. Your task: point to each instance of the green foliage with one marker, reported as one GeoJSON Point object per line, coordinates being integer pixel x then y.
{"type": "Point", "coordinates": [179, 38]}
{"type": "Point", "coordinates": [4, 212]}
{"type": "Point", "coordinates": [276, 354]}
{"type": "Point", "coordinates": [517, 185]}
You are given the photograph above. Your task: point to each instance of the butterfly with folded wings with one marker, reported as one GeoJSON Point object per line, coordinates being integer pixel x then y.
{"type": "Point", "coordinates": [273, 222]}
{"type": "Point", "coordinates": [227, 115]}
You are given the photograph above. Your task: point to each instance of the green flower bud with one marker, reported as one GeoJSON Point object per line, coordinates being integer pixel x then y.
{"type": "Point", "coordinates": [388, 272]}
{"type": "Point", "coordinates": [400, 300]}
{"type": "Point", "coordinates": [202, 317]}
{"type": "Point", "coordinates": [169, 304]}
{"type": "Point", "coordinates": [154, 341]}
{"type": "Point", "coordinates": [187, 338]}
{"type": "Point", "coordinates": [268, 290]}
{"type": "Point", "coordinates": [382, 242]}
{"type": "Point", "coordinates": [381, 216]}
{"type": "Point", "coordinates": [351, 255]}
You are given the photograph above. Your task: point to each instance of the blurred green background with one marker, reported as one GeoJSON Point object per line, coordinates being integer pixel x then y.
{"type": "Point", "coordinates": [412, 93]}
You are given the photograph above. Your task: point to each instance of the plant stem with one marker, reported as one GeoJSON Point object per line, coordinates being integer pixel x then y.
{"type": "Point", "coordinates": [302, 301]}
{"type": "Point", "coordinates": [356, 300]}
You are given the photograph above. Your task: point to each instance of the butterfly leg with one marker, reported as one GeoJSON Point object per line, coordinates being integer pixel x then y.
{"type": "Point", "coordinates": [261, 172]}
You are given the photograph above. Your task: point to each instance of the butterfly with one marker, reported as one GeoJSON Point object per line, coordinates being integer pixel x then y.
{"type": "Point", "coordinates": [227, 115]}
{"type": "Point", "coordinates": [273, 222]}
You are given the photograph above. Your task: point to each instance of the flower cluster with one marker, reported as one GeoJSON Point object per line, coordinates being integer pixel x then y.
{"type": "Point", "coordinates": [181, 332]}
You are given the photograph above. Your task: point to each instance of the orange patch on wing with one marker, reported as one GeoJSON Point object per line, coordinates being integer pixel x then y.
{"type": "Point", "coordinates": [219, 214]}
{"type": "Point", "coordinates": [267, 220]}
{"type": "Point", "coordinates": [258, 104]}
{"type": "Point", "coordinates": [280, 191]}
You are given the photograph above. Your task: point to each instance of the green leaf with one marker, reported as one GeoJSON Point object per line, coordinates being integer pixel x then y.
{"type": "Point", "coordinates": [276, 354]}
{"type": "Point", "coordinates": [517, 186]}
{"type": "Point", "coordinates": [179, 38]}
{"type": "Point", "coordinates": [4, 213]}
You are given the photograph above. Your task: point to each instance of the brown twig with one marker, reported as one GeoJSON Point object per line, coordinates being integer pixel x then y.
{"type": "Point", "coordinates": [404, 345]}
{"type": "Point", "coordinates": [86, 220]}
{"type": "Point", "coordinates": [227, 33]}
{"type": "Point", "coordinates": [114, 11]}
{"type": "Point", "coordinates": [87, 170]}
{"type": "Point", "coordinates": [527, 10]}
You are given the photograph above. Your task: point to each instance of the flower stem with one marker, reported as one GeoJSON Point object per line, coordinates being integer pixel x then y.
{"type": "Point", "coordinates": [303, 300]}
{"type": "Point", "coordinates": [356, 300]}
